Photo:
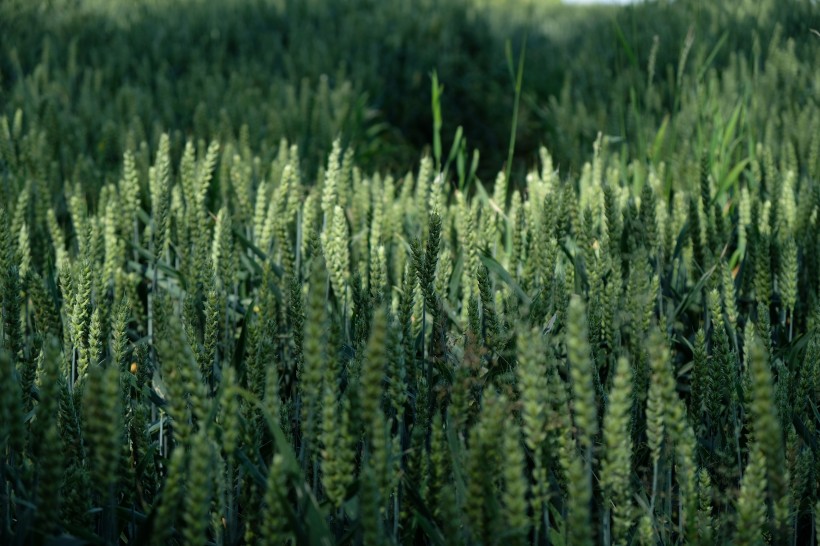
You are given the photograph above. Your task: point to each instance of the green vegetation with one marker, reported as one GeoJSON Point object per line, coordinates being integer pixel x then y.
{"type": "Point", "coordinates": [245, 301]}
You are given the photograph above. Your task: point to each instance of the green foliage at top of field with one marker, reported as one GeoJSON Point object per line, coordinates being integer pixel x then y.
{"type": "Point", "coordinates": [312, 70]}
{"type": "Point", "coordinates": [243, 302]}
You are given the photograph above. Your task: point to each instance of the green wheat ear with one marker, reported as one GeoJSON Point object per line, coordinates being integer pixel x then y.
{"type": "Point", "coordinates": [188, 402]}
{"type": "Point", "coordinates": [787, 280]}
{"type": "Point", "coordinates": [312, 372]}
{"type": "Point", "coordinates": [751, 511]}
{"type": "Point", "coordinates": [373, 369]}
{"type": "Point", "coordinates": [102, 428]}
{"type": "Point", "coordinates": [579, 493]}
{"type": "Point", "coordinates": [336, 251]}
{"type": "Point", "coordinates": [616, 469]}
{"type": "Point", "coordinates": [369, 507]}
{"type": "Point", "coordinates": [338, 441]}
{"type": "Point", "coordinates": [532, 382]}
{"type": "Point", "coordinates": [13, 331]}
{"type": "Point", "coordinates": [766, 424]}
{"type": "Point", "coordinates": [585, 410]}
{"type": "Point", "coordinates": [661, 394]}
{"type": "Point", "coordinates": [46, 445]}
{"type": "Point", "coordinates": [515, 487]}
{"type": "Point", "coordinates": [229, 413]}
{"type": "Point", "coordinates": [199, 490]}
{"type": "Point", "coordinates": [167, 511]}
{"type": "Point", "coordinates": [441, 467]}
{"type": "Point", "coordinates": [274, 524]}
{"type": "Point", "coordinates": [484, 453]}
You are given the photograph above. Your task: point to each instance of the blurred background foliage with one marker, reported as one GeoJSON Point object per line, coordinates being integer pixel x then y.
{"type": "Point", "coordinates": [311, 70]}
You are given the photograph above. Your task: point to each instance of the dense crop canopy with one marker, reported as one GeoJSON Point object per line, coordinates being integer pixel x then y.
{"type": "Point", "coordinates": [211, 338]}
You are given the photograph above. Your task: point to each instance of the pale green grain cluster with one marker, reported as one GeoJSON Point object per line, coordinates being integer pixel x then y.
{"type": "Point", "coordinates": [616, 468]}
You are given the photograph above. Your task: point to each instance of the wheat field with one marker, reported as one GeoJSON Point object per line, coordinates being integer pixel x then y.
{"type": "Point", "coordinates": [249, 298]}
